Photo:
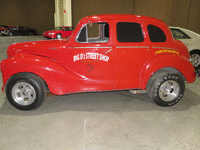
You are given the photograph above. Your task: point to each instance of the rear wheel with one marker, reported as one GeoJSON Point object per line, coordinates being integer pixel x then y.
{"type": "Point", "coordinates": [165, 89]}
{"type": "Point", "coordinates": [195, 57]}
{"type": "Point", "coordinates": [25, 91]}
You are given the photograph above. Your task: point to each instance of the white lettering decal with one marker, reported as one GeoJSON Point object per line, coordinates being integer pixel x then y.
{"type": "Point", "coordinates": [90, 55]}
{"type": "Point", "coordinates": [76, 57]}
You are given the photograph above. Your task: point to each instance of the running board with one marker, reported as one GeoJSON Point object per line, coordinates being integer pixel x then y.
{"type": "Point", "coordinates": [138, 91]}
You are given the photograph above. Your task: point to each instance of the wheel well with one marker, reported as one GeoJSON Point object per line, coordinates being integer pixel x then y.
{"type": "Point", "coordinates": [195, 51]}
{"type": "Point", "coordinates": [172, 70]}
{"type": "Point", "coordinates": [46, 85]}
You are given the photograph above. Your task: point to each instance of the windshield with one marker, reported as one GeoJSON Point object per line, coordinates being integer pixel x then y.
{"type": "Point", "coordinates": [58, 28]}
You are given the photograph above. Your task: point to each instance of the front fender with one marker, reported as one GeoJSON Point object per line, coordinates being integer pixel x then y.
{"type": "Point", "coordinates": [59, 79]}
{"type": "Point", "coordinates": [165, 60]}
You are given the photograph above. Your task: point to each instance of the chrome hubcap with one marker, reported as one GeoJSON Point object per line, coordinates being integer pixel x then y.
{"type": "Point", "coordinates": [23, 93]}
{"type": "Point", "coordinates": [195, 60]}
{"type": "Point", "coordinates": [58, 36]}
{"type": "Point", "coordinates": [169, 90]}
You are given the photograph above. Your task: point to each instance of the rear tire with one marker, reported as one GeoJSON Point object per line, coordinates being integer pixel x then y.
{"type": "Point", "coordinates": [165, 89]}
{"type": "Point", "coordinates": [26, 91]}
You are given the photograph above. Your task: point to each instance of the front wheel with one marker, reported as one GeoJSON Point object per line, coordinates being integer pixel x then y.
{"type": "Point", "coordinates": [58, 36]}
{"type": "Point", "coordinates": [10, 34]}
{"type": "Point", "coordinates": [165, 89]}
{"type": "Point", "coordinates": [195, 57]}
{"type": "Point", "coordinates": [26, 91]}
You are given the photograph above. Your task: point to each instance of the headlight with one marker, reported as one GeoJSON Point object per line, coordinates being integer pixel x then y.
{"type": "Point", "coordinates": [51, 33]}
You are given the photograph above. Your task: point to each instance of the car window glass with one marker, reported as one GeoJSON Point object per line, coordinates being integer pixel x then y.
{"type": "Point", "coordinates": [82, 37]}
{"type": "Point", "coordinates": [94, 33]}
{"type": "Point", "coordinates": [178, 34]}
{"type": "Point", "coordinates": [156, 34]}
{"type": "Point", "coordinates": [129, 32]}
{"type": "Point", "coordinates": [67, 29]}
{"type": "Point", "coordinates": [58, 28]}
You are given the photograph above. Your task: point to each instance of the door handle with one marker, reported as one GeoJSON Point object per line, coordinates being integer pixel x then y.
{"type": "Point", "coordinates": [108, 51]}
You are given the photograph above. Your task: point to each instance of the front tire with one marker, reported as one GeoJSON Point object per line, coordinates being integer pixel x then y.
{"type": "Point", "coordinates": [58, 36]}
{"type": "Point", "coordinates": [26, 91]}
{"type": "Point", "coordinates": [165, 89]}
{"type": "Point", "coordinates": [10, 34]}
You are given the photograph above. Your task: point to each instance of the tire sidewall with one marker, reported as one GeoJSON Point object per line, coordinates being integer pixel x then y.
{"type": "Point", "coordinates": [58, 35]}
{"type": "Point", "coordinates": [157, 84]}
{"type": "Point", "coordinates": [195, 52]}
{"type": "Point", "coordinates": [33, 82]}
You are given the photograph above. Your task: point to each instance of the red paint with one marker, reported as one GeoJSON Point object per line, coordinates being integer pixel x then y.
{"type": "Point", "coordinates": [69, 67]}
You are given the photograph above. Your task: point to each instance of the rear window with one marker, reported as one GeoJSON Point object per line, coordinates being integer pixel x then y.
{"type": "Point", "coordinates": [156, 34]}
{"type": "Point", "coordinates": [129, 32]}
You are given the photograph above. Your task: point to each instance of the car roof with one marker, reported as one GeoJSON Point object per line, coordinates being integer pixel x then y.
{"type": "Point", "coordinates": [122, 16]}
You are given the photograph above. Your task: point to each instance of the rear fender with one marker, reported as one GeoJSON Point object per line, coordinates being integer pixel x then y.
{"type": "Point", "coordinates": [162, 61]}
{"type": "Point", "coordinates": [58, 78]}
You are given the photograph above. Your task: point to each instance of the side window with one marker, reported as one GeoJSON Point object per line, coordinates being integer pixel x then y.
{"type": "Point", "coordinates": [178, 34]}
{"type": "Point", "coordinates": [129, 32]}
{"type": "Point", "coordinates": [156, 34]}
{"type": "Point", "coordinates": [65, 29]}
{"type": "Point", "coordinates": [94, 33]}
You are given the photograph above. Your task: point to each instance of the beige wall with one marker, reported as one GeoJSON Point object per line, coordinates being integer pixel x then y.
{"type": "Point", "coordinates": [182, 13]}
{"type": "Point", "coordinates": [194, 16]}
{"type": "Point", "coordinates": [82, 8]}
{"type": "Point", "coordinates": [39, 14]}
{"type": "Point", "coordinates": [36, 14]}
{"type": "Point", "coordinates": [161, 9]}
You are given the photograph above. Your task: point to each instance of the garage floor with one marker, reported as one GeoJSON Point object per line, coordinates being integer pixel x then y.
{"type": "Point", "coordinates": [100, 121]}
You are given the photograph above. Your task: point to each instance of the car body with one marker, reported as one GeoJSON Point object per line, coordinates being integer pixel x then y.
{"type": "Point", "coordinates": [19, 30]}
{"type": "Point", "coordinates": [191, 40]}
{"type": "Point", "coordinates": [104, 53]}
{"type": "Point", "coordinates": [58, 33]}
{"type": "Point", "coordinates": [2, 28]}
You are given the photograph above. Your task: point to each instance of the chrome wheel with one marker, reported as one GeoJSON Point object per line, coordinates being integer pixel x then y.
{"type": "Point", "coordinates": [23, 93]}
{"type": "Point", "coordinates": [169, 90]}
{"type": "Point", "coordinates": [195, 60]}
{"type": "Point", "coordinates": [58, 36]}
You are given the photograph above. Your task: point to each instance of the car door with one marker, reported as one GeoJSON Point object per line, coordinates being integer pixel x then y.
{"type": "Point", "coordinates": [66, 32]}
{"type": "Point", "coordinates": [131, 53]}
{"type": "Point", "coordinates": [91, 57]}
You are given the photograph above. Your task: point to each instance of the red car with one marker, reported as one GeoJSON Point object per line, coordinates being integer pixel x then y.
{"type": "Point", "coordinates": [2, 28]}
{"type": "Point", "coordinates": [58, 33]}
{"type": "Point", "coordinates": [105, 52]}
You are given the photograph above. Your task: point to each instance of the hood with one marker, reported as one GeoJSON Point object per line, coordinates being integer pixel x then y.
{"type": "Point", "coordinates": [46, 48]}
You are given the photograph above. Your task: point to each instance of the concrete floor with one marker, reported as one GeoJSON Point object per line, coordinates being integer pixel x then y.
{"type": "Point", "coordinates": [100, 121]}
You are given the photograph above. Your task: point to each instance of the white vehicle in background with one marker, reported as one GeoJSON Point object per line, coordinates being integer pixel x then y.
{"type": "Point", "coordinates": [191, 40]}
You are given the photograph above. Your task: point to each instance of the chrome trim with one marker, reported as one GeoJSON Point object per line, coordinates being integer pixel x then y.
{"type": "Point", "coordinates": [132, 46]}
{"type": "Point", "coordinates": [164, 48]}
{"type": "Point", "coordinates": [80, 32]}
{"type": "Point", "coordinates": [108, 51]}
{"type": "Point", "coordinates": [53, 48]}
{"type": "Point", "coordinates": [90, 47]}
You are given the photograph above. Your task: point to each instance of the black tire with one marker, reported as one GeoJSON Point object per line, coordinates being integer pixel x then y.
{"type": "Point", "coordinates": [10, 34]}
{"type": "Point", "coordinates": [26, 91]}
{"type": "Point", "coordinates": [165, 89]}
{"type": "Point", "coordinates": [195, 56]}
{"type": "Point", "coordinates": [58, 36]}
